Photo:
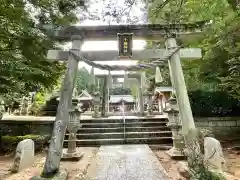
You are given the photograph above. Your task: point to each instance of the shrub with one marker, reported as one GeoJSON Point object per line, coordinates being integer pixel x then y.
{"type": "Point", "coordinates": [195, 154]}
{"type": "Point", "coordinates": [39, 101]}
{"type": "Point", "coordinates": [9, 143]}
{"type": "Point", "coordinates": [217, 104]}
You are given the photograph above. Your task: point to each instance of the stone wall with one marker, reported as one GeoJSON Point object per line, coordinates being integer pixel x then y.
{"type": "Point", "coordinates": [21, 128]}
{"type": "Point", "coordinates": [224, 128]}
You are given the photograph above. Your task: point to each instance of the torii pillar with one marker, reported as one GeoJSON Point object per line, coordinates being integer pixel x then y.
{"type": "Point", "coordinates": [52, 163]}
{"type": "Point", "coordinates": [178, 81]}
{"type": "Point", "coordinates": [140, 97]}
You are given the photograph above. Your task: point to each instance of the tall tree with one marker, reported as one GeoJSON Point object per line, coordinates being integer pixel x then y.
{"type": "Point", "coordinates": [83, 80]}
{"type": "Point", "coordinates": [220, 41]}
{"type": "Point", "coordinates": [23, 45]}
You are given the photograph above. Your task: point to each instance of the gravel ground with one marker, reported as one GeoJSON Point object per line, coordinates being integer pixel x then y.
{"type": "Point", "coordinates": [232, 159]}
{"type": "Point", "coordinates": [78, 169]}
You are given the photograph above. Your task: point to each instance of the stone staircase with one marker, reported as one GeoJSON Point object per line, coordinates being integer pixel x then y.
{"type": "Point", "coordinates": [96, 132]}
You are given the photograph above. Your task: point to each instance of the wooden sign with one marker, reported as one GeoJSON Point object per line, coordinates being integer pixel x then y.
{"type": "Point", "coordinates": [125, 45]}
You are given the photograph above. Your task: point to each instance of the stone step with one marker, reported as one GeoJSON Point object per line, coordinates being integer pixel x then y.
{"type": "Point", "coordinates": [145, 124]}
{"type": "Point", "coordinates": [120, 120]}
{"type": "Point", "coordinates": [121, 135]}
{"type": "Point", "coordinates": [127, 124]}
{"type": "Point", "coordinates": [160, 146]}
{"type": "Point", "coordinates": [98, 142]}
{"type": "Point", "coordinates": [121, 129]}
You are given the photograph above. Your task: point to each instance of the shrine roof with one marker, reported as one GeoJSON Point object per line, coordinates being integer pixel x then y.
{"type": "Point", "coordinates": [164, 89]}
{"type": "Point", "coordinates": [109, 32]}
{"type": "Point", "coordinates": [119, 98]}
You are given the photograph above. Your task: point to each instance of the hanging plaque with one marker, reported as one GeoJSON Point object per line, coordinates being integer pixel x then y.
{"type": "Point", "coordinates": [125, 45]}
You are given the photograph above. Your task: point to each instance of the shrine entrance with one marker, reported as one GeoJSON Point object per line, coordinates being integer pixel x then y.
{"type": "Point", "coordinates": [172, 53]}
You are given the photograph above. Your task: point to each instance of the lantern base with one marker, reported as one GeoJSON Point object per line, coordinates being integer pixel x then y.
{"type": "Point", "coordinates": [176, 153]}
{"type": "Point", "coordinates": [75, 156]}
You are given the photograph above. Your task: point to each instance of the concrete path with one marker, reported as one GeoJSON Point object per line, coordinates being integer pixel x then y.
{"type": "Point", "coordinates": [126, 162]}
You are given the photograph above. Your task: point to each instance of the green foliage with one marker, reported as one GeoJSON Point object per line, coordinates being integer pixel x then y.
{"type": "Point", "coordinates": [120, 91]}
{"type": "Point", "coordinates": [39, 101]}
{"type": "Point", "coordinates": [213, 104]}
{"type": "Point", "coordinates": [83, 81]}
{"type": "Point", "coordinates": [23, 46]}
{"type": "Point", "coordinates": [219, 68]}
{"type": "Point", "coordinates": [198, 167]}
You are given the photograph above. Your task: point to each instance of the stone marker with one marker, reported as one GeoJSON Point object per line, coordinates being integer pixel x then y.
{"type": "Point", "coordinates": [24, 155]}
{"type": "Point", "coordinates": [213, 153]}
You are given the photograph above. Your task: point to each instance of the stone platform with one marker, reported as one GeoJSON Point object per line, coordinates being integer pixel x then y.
{"type": "Point", "coordinates": [126, 162]}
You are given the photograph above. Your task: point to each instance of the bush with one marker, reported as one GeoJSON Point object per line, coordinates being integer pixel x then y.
{"type": "Point", "coordinates": [199, 169]}
{"type": "Point", "coordinates": [9, 143]}
{"type": "Point", "coordinates": [36, 106]}
{"type": "Point", "coordinates": [217, 104]}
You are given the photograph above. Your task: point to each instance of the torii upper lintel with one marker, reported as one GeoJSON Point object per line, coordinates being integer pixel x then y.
{"type": "Point", "coordinates": [145, 31]}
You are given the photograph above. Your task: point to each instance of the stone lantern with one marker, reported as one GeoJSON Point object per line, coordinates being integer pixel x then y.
{"type": "Point", "coordinates": [149, 104]}
{"type": "Point", "coordinates": [96, 101]}
{"type": "Point", "coordinates": [176, 152]}
{"type": "Point", "coordinates": [73, 126]}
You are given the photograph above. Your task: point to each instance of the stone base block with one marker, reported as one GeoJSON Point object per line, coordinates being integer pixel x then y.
{"type": "Point", "coordinates": [150, 115]}
{"type": "Point", "coordinates": [76, 156]}
{"type": "Point", "coordinates": [96, 116]}
{"type": "Point", "coordinates": [61, 175]}
{"type": "Point", "coordinates": [176, 154]}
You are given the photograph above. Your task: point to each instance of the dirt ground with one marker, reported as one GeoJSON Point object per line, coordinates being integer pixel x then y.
{"type": "Point", "coordinates": [232, 159]}
{"type": "Point", "coordinates": [75, 169]}
{"type": "Point", "coordinates": [79, 169]}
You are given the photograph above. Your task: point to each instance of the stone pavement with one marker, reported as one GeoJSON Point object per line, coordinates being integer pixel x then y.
{"type": "Point", "coordinates": [126, 162]}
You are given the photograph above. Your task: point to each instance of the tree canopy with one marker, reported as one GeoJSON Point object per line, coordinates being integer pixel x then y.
{"type": "Point", "coordinates": [219, 67]}
{"type": "Point", "coordinates": [23, 45]}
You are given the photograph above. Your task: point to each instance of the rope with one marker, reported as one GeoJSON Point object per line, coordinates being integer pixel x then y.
{"type": "Point", "coordinates": [125, 68]}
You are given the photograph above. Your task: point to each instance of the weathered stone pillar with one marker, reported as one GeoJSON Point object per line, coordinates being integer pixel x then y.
{"type": "Point", "coordinates": [104, 97]}
{"type": "Point", "coordinates": [180, 87]}
{"type": "Point", "coordinates": [140, 97]}
{"type": "Point", "coordinates": [71, 153]}
{"type": "Point", "coordinates": [175, 125]}
{"type": "Point", "coordinates": [150, 102]}
{"type": "Point", "coordinates": [52, 163]}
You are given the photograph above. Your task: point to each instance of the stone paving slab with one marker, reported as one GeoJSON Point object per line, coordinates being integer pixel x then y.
{"type": "Point", "coordinates": [126, 162]}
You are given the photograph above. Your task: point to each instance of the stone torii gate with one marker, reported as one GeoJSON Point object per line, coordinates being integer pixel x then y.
{"type": "Point", "coordinates": [149, 32]}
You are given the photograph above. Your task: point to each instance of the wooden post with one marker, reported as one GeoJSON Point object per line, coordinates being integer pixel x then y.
{"type": "Point", "coordinates": [180, 88]}
{"type": "Point", "coordinates": [52, 163]}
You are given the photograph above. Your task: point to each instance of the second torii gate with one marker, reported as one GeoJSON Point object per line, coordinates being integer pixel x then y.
{"type": "Point", "coordinates": [150, 32]}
